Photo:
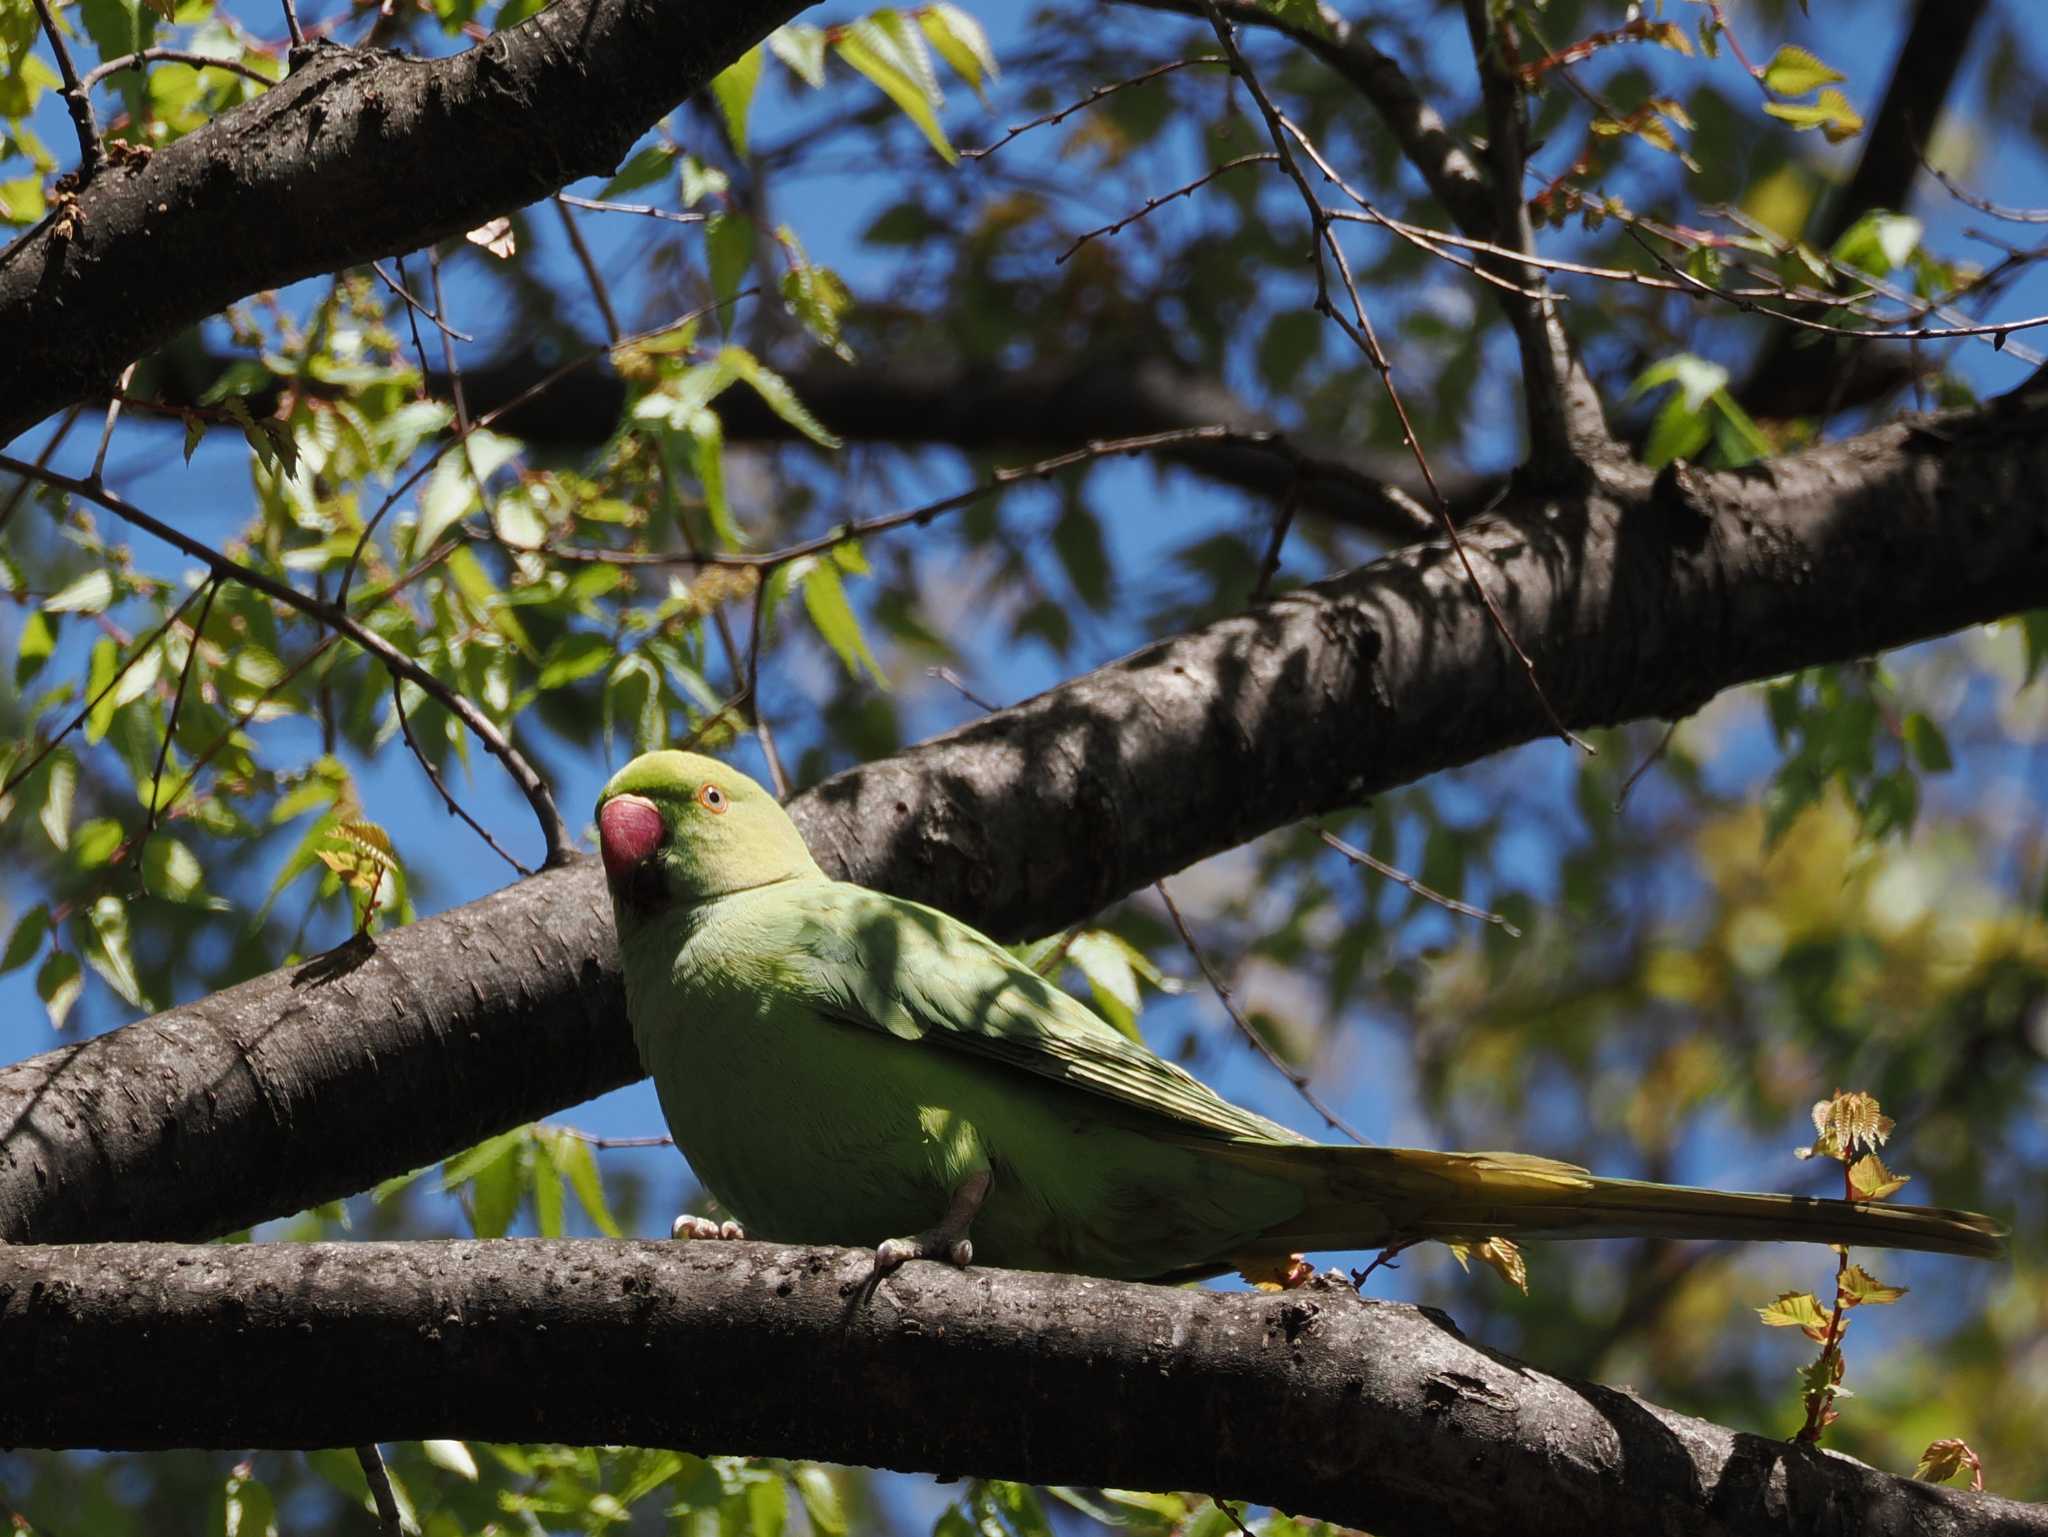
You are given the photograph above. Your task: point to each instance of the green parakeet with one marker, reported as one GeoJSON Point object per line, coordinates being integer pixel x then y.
{"type": "Point", "coordinates": [845, 1067]}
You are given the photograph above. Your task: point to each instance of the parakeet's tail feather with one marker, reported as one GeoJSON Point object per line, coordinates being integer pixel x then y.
{"type": "Point", "coordinates": [1367, 1197]}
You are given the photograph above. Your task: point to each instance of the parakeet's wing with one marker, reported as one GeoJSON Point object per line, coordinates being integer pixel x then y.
{"type": "Point", "coordinates": [920, 975]}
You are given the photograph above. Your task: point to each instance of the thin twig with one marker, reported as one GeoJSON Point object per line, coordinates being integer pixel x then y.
{"type": "Point", "coordinates": [753, 692]}
{"type": "Point", "coordinates": [1985, 205]}
{"type": "Point", "coordinates": [645, 210]}
{"type": "Point", "coordinates": [368, 1455]}
{"type": "Point", "coordinates": [1269, 567]}
{"type": "Point", "coordinates": [1300, 1080]}
{"type": "Point", "coordinates": [291, 24]}
{"type": "Point", "coordinates": [91, 156]}
{"type": "Point", "coordinates": [547, 382]}
{"type": "Point", "coordinates": [947, 676]}
{"type": "Point", "coordinates": [20, 492]}
{"type": "Point", "coordinates": [1649, 761]}
{"type": "Point", "coordinates": [590, 272]}
{"type": "Point", "coordinates": [1152, 203]}
{"type": "Point", "coordinates": [1305, 466]}
{"type": "Point", "coordinates": [163, 751]}
{"type": "Point", "coordinates": [1360, 330]}
{"type": "Point", "coordinates": [99, 458]}
{"type": "Point", "coordinates": [433, 774]}
{"type": "Point", "coordinates": [607, 1144]}
{"type": "Point", "coordinates": [1427, 893]}
{"type": "Point", "coordinates": [173, 56]}
{"type": "Point", "coordinates": [415, 306]}
{"type": "Point", "coordinates": [334, 617]}
{"type": "Point", "coordinates": [141, 650]}
{"type": "Point", "coordinates": [1050, 119]}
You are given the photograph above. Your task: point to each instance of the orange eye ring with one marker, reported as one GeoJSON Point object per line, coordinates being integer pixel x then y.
{"type": "Point", "coordinates": [713, 799]}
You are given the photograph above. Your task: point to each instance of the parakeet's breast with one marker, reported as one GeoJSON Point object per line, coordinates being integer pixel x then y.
{"type": "Point", "coordinates": [808, 1128]}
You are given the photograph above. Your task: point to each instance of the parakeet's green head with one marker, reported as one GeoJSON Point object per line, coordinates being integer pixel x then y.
{"type": "Point", "coordinates": [677, 828]}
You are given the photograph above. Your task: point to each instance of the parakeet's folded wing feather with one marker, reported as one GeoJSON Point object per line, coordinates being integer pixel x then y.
{"type": "Point", "coordinates": [920, 975]}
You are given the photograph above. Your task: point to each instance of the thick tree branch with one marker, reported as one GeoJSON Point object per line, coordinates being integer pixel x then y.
{"type": "Point", "coordinates": [1825, 380]}
{"type": "Point", "coordinates": [1638, 599]}
{"type": "Point", "coordinates": [919, 400]}
{"type": "Point", "coordinates": [356, 155]}
{"type": "Point", "coordinates": [1367, 1414]}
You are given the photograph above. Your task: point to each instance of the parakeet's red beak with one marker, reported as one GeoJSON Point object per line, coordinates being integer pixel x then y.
{"type": "Point", "coordinates": [629, 829]}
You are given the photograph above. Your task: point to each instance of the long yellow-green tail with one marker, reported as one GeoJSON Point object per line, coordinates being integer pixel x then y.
{"type": "Point", "coordinates": [1368, 1197]}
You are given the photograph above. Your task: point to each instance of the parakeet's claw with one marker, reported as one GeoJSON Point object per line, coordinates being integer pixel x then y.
{"type": "Point", "coordinates": [948, 1241]}
{"type": "Point", "coordinates": [691, 1226]}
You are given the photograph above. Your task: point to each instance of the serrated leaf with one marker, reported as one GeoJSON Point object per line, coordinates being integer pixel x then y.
{"type": "Point", "coordinates": [1794, 1310]}
{"type": "Point", "coordinates": [775, 392]}
{"type": "Point", "coordinates": [825, 601]}
{"type": "Point", "coordinates": [1872, 1181]}
{"type": "Point", "coordinates": [1793, 71]}
{"type": "Point", "coordinates": [88, 594]}
{"type": "Point", "coordinates": [961, 42]}
{"type": "Point", "coordinates": [105, 946]}
{"type": "Point", "coordinates": [802, 49]}
{"type": "Point", "coordinates": [60, 790]}
{"type": "Point", "coordinates": [733, 88]}
{"type": "Point", "coordinates": [1830, 113]}
{"type": "Point", "coordinates": [1500, 1255]}
{"type": "Point", "coordinates": [1944, 1459]}
{"type": "Point", "coordinates": [1858, 1286]}
{"type": "Point", "coordinates": [876, 48]}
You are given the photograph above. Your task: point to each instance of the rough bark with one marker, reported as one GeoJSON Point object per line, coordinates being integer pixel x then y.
{"type": "Point", "coordinates": [355, 155]}
{"type": "Point", "coordinates": [1369, 1414]}
{"type": "Point", "coordinates": [1643, 599]}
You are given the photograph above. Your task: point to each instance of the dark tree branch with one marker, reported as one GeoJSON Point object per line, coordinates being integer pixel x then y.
{"type": "Point", "coordinates": [1822, 381]}
{"type": "Point", "coordinates": [919, 401]}
{"type": "Point", "coordinates": [1367, 1414]}
{"type": "Point", "coordinates": [356, 155]}
{"type": "Point", "coordinates": [1637, 599]}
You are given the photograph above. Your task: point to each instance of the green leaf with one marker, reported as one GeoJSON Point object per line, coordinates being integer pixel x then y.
{"type": "Point", "coordinates": [169, 869]}
{"type": "Point", "coordinates": [1737, 437]}
{"type": "Point", "coordinates": [767, 1507]}
{"type": "Point", "coordinates": [38, 640]}
{"type": "Point", "coordinates": [453, 1457]}
{"type": "Point", "coordinates": [1793, 72]}
{"type": "Point", "coordinates": [802, 49]}
{"type": "Point", "coordinates": [61, 788]}
{"type": "Point", "coordinates": [579, 1166]}
{"type": "Point", "coordinates": [575, 656]}
{"type": "Point", "coordinates": [105, 946]}
{"type": "Point", "coordinates": [451, 491]}
{"type": "Point", "coordinates": [465, 1166]}
{"type": "Point", "coordinates": [1795, 1310]}
{"type": "Point", "coordinates": [734, 88]}
{"type": "Point", "coordinates": [825, 601]}
{"type": "Point", "coordinates": [58, 983]}
{"type": "Point", "coordinates": [30, 929]}
{"type": "Point", "coordinates": [1858, 1286]}
{"type": "Point", "coordinates": [89, 594]}
{"type": "Point", "coordinates": [774, 390]}
{"type": "Point", "coordinates": [1677, 431]}
{"type": "Point", "coordinates": [888, 53]}
{"type": "Point", "coordinates": [1077, 540]}
{"type": "Point", "coordinates": [95, 841]}
{"type": "Point", "coordinates": [1879, 242]}
{"type": "Point", "coordinates": [1927, 744]}
{"type": "Point", "coordinates": [820, 1495]}
{"type": "Point", "coordinates": [1831, 114]}
{"type": "Point", "coordinates": [247, 1509]}
{"type": "Point", "coordinates": [644, 167]}
{"type": "Point", "coordinates": [961, 42]}
{"type": "Point", "coordinates": [729, 248]}
{"type": "Point", "coordinates": [1105, 961]}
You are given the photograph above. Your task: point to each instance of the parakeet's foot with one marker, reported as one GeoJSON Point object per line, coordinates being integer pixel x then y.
{"type": "Point", "coordinates": [689, 1225]}
{"type": "Point", "coordinates": [948, 1241]}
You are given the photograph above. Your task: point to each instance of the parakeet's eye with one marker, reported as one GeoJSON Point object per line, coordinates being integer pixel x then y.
{"type": "Point", "coordinates": [711, 798]}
